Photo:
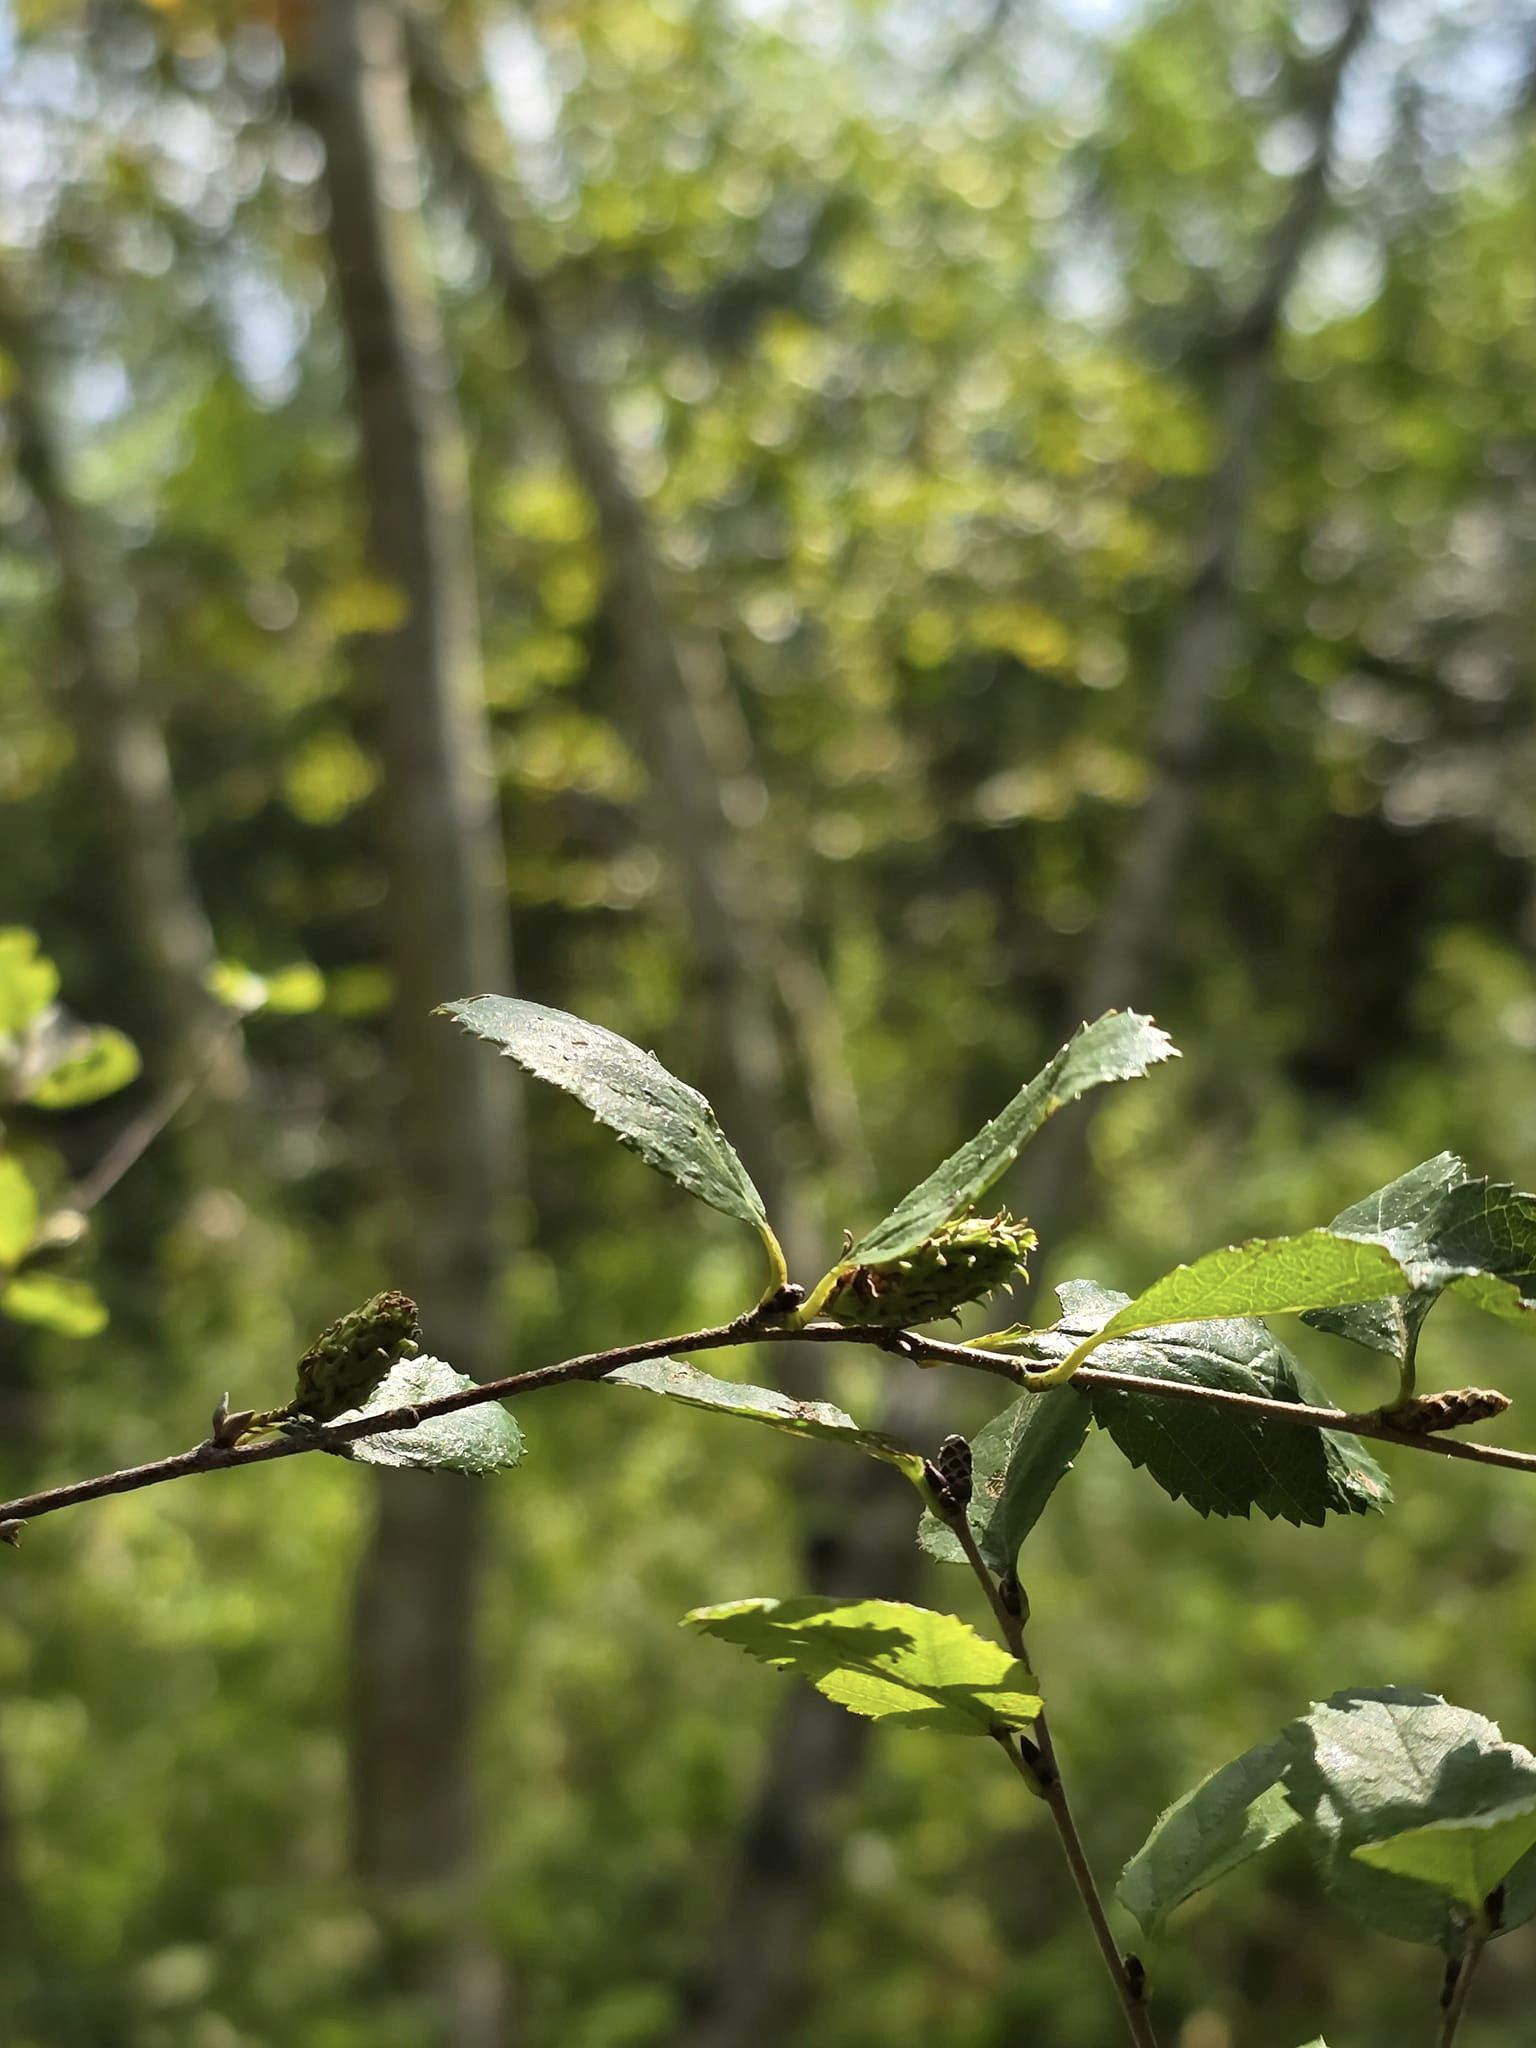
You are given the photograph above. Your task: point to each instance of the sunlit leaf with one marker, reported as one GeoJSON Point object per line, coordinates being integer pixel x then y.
{"type": "Point", "coordinates": [1370, 1766]}
{"type": "Point", "coordinates": [1265, 1276]}
{"type": "Point", "coordinates": [1467, 1858]}
{"type": "Point", "coordinates": [296, 990]}
{"type": "Point", "coordinates": [18, 1209]}
{"type": "Point", "coordinates": [884, 1659]}
{"type": "Point", "coordinates": [71, 1307]}
{"type": "Point", "coordinates": [29, 981]}
{"type": "Point", "coordinates": [236, 987]}
{"type": "Point", "coordinates": [480, 1439]}
{"type": "Point", "coordinates": [97, 1062]}
{"type": "Point", "coordinates": [1119, 1046]}
{"type": "Point", "coordinates": [668, 1123]}
{"type": "Point", "coordinates": [1446, 1231]}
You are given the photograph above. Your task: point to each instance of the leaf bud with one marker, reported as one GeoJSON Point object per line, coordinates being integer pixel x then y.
{"type": "Point", "coordinates": [953, 1465]}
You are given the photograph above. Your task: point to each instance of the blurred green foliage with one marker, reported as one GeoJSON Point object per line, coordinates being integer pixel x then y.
{"type": "Point", "coordinates": [909, 320]}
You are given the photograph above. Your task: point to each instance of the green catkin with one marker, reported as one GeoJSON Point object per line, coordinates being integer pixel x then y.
{"type": "Point", "coordinates": [351, 1356]}
{"type": "Point", "coordinates": [963, 1261]}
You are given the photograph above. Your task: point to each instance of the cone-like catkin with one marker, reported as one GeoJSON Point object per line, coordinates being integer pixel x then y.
{"type": "Point", "coordinates": [351, 1356]}
{"type": "Point", "coordinates": [961, 1262]}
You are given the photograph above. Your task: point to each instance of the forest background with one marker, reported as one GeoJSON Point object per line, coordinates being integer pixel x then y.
{"type": "Point", "coordinates": [846, 537]}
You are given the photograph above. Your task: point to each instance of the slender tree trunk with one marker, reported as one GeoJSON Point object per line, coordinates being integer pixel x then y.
{"type": "Point", "coordinates": [859, 1528]}
{"type": "Point", "coordinates": [164, 933]}
{"type": "Point", "coordinates": [163, 936]}
{"type": "Point", "coordinates": [413, 1693]}
{"type": "Point", "coordinates": [727, 920]}
{"type": "Point", "coordinates": [1203, 640]}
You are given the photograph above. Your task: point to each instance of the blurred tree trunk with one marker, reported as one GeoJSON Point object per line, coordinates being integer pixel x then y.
{"type": "Point", "coordinates": [1203, 639]}
{"type": "Point", "coordinates": [18, 1986]}
{"type": "Point", "coordinates": [413, 1693]}
{"type": "Point", "coordinates": [858, 1526]}
{"type": "Point", "coordinates": [163, 937]}
{"type": "Point", "coordinates": [732, 921]}
{"type": "Point", "coordinates": [163, 931]}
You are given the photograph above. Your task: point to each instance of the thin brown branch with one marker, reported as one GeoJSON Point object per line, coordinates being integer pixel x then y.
{"type": "Point", "coordinates": [750, 1328]}
{"type": "Point", "coordinates": [1454, 2005]}
{"type": "Point", "coordinates": [1042, 1773]}
{"type": "Point", "coordinates": [136, 1137]}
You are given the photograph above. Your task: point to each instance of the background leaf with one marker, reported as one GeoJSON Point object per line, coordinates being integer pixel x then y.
{"type": "Point", "coordinates": [71, 1307]}
{"type": "Point", "coordinates": [1229, 1817]}
{"type": "Point", "coordinates": [96, 1062]}
{"type": "Point", "coordinates": [483, 1439]}
{"type": "Point", "coordinates": [1370, 1765]}
{"type": "Point", "coordinates": [884, 1659]}
{"type": "Point", "coordinates": [29, 981]}
{"type": "Point", "coordinates": [18, 1209]}
{"type": "Point", "coordinates": [1119, 1046]}
{"type": "Point", "coordinates": [668, 1123]}
{"type": "Point", "coordinates": [1219, 1460]}
{"type": "Point", "coordinates": [679, 1381]}
{"type": "Point", "coordinates": [1017, 1460]}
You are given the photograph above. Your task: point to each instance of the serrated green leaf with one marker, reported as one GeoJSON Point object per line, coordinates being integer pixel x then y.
{"type": "Point", "coordinates": [1119, 1046]}
{"type": "Point", "coordinates": [96, 1062]}
{"type": "Point", "coordinates": [18, 1209]}
{"type": "Point", "coordinates": [1016, 1462]}
{"type": "Point", "coordinates": [1466, 1858]}
{"type": "Point", "coordinates": [1229, 1817]}
{"type": "Point", "coordinates": [1446, 1231]}
{"type": "Point", "coordinates": [477, 1440]}
{"type": "Point", "coordinates": [70, 1307]}
{"type": "Point", "coordinates": [29, 981]}
{"type": "Point", "coordinates": [1218, 1459]}
{"type": "Point", "coordinates": [1265, 1276]}
{"type": "Point", "coordinates": [668, 1123]}
{"type": "Point", "coordinates": [884, 1659]}
{"type": "Point", "coordinates": [1370, 1765]}
{"type": "Point", "coordinates": [679, 1381]}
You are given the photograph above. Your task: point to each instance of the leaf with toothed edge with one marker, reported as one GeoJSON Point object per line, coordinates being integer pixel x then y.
{"type": "Point", "coordinates": [476, 1440]}
{"type": "Point", "coordinates": [1219, 1459]}
{"type": "Point", "coordinates": [1119, 1046]}
{"type": "Point", "coordinates": [669, 1124]}
{"type": "Point", "coordinates": [1265, 1276]}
